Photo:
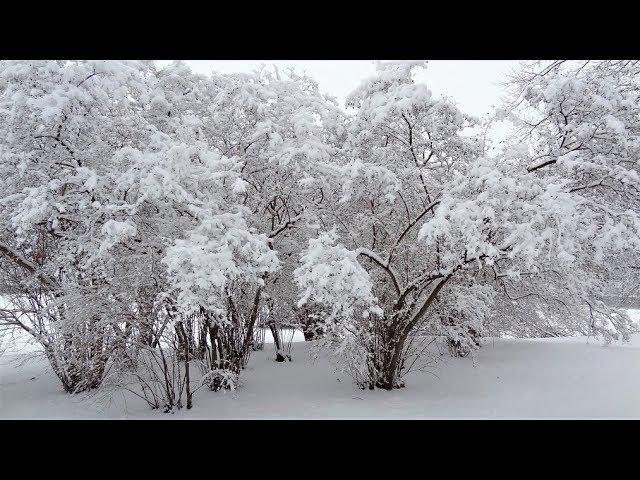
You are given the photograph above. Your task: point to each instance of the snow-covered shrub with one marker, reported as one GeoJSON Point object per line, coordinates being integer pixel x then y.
{"type": "Point", "coordinates": [60, 124]}
{"type": "Point", "coordinates": [462, 338]}
{"type": "Point", "coordinates": [220, 379]}
{"type": "Point", "coordinates": [429, 211]}
{"type": "Point", "coordinates": [140, 202]}
{"type": "Point", "coordinates": [218, 273]}
{"type": "Point", "coordinates": [309, 318]}
{"type": "Point", "coordinates": [159, 377]}
{"type": "Point", "coordinates": [463, 308]}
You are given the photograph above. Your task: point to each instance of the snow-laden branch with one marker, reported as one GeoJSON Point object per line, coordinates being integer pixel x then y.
{"type": "Point", "coordinates": [411, 224]}
{"type": "Point", "coordinates": [381, 263]}
{"type": "Point", "coordinates": [31, 267]}
{"type": "Point", "coordinates": [289, 223]}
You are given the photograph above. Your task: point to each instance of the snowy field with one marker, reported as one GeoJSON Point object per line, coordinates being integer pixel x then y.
{"type": "Point", "coordinates": [551, 378]}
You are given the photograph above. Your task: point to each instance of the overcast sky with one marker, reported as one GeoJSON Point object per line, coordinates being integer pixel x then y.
{"type": "Point", "coordinates": [471, 83]}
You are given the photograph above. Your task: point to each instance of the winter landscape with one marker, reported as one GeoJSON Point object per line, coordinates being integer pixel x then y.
{"type": "Point", "coordinates": [220, 240]}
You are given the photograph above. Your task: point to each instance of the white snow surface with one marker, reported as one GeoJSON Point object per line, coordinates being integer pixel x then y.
{"type": "Point", "coordinates": [508, 378]}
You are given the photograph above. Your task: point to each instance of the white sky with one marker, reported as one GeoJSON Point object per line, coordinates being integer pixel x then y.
{"type": "Point", "coordinates": [471, 83]}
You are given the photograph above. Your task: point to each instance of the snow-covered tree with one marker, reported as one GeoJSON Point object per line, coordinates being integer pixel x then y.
{"type": "Point", "coordinates": [439, 230]}
{"type": "Point", "coordinates": [153, 215]}
{"type": "Point", "coordinates": [96, 190]}
{"type": "Point", "coordinates": [218, 273]}
{"type": "Point", "coordinates": [283, 133]}
{"type": "Point", "coordinates": [61, 123]}
{"type": "Point", "coordinates": [577, 126]}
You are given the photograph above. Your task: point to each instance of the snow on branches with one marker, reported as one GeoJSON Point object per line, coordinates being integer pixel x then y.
{"type": "Point", "coordinates": [331, 275]}
{"type": "Point", "coordinates": [147, 207]}
{"type": "Point", "coordinates": [218, 255]}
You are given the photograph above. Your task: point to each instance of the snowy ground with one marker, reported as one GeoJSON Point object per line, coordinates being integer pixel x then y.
{"type": "Point", "coordinates": [554, 378]}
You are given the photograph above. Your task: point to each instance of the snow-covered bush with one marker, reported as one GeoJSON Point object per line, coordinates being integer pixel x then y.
{"type": "Point", "coordinates": [150, 214]}
{"type": "Point", "coordinates": [60, 124]}
{"type": "Point", "coordinates": [159, 377]}
{"type": "Point", "coordinates": [209, 271]}
{"type": "Point", "coordinates": [433, 230]}
{"type": "Point", "coordinates": [220, 379]}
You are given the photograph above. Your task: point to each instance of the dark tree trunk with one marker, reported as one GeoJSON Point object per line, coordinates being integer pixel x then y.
{"type": "Point", "coordinates": [253, 317]}
{"type": "Point", "coordinates": [185, 341]}
{"type": "Point", "coordinates": [394, 337]}
{"type": "Point", "coordinates": [276, 336]}
{"type": "Point", "coordinates": [145, 315]}
{"type": "Point", "coordinates": [202, 341]}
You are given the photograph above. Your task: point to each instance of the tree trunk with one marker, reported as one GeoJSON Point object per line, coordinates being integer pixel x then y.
{"type": "Point", "coordinates": [253, 317]}
{"type": "Point", "coordinates": [276, 335]}
{"type": "Point", "coordinates": [202, 341]}
{"type": "Point", "coordinates": [185, 341]}
{"type": "Point", "coordinates": [396, 337]}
